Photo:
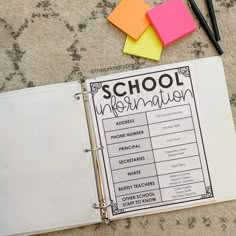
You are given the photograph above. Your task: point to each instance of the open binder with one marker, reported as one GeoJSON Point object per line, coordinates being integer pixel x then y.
{"type": "Point", "coordinates": [117, 146]}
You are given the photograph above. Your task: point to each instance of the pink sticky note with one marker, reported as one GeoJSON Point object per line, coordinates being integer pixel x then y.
{"type": "Point", "coordinates": [171, 20]}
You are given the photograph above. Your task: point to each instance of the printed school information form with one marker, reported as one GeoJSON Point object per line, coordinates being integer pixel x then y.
{"type": "Point", "coordinates": [151, 126]}
{"type": "Point", "coordinates": [134, 143]}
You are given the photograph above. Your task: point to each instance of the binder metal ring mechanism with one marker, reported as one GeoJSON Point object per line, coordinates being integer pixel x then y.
{"type": "Point", "coordinates": [77, 95]}
{"type": "Point", "coordinates": [102, 205]}
{"type": "Point", "coordinates": [97, 206]}
{"type": "Point", "coordinates": [94, 149]}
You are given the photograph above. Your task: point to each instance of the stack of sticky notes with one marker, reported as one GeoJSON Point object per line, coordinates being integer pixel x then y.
{"type": "Point", "coordinates": [150, 29]}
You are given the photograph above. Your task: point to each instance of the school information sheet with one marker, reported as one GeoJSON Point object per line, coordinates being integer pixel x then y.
{"type": "Point", "coordinates": [123, 145]}
{"type": "Point", "coordinates": [153, 148]}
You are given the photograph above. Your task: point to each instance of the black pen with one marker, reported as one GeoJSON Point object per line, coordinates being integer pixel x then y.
{"type": "Point", "coordinates": [204, 24]}
{"type": "Point", "coordinates": [213, 19]}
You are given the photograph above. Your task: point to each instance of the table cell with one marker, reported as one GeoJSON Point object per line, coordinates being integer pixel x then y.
{"type": "Point", "coordinates": [124, 122]}
{"type": "Point", "coordinates": [178, 165]}
{"type": "Point", "coordinates": [181, 151]}
{"type": "Point", "coordinates": [132, 173]}
{"type": "Point", "coordinates": [181, 178]}
{"type": "Point", "coordinates": [185, 191]}
{"type": "Point", "coordinates": [130, 147]}
{"type": "Point", "coordinates": [170, 140]}
{"type": "Point", "coordinates": [170, 113]}
{"type": "Point", "coordinates": [171, 126]}
{"type": "Point", "coordinates": [127, 134]}
{"type": "Point", "coordinates": [131, 160]}
{"type": "Point", "coordinates": [134, 186]}
{"type": "Point", "coordinates": [139, 199]}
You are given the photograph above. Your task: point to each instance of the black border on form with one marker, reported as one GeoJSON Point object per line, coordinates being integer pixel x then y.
{"type": "Point", "coordinates": [197, 116]}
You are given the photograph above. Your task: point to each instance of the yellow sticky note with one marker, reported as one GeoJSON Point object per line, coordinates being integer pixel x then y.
{"type": "Point", "coordinates": [147, 46]}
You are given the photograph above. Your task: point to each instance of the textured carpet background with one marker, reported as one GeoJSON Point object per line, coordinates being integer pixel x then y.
{"type": "Point", "coordinates": [52, 41]}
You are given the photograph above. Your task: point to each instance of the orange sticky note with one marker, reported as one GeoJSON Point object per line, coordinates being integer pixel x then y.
{"type": "Point", "coordinates": [130, 17]}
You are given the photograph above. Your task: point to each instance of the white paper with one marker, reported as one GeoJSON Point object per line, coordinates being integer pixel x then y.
{"type": "Point", "coordinates": [47, 180]}
{"type": "Point", "coordinates": [168, 137]}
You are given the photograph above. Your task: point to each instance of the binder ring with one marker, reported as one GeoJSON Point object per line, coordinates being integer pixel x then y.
{"type": "Point", "coordinates": [77, 95]}
{"type": "Point", "coordinates": [96, 206]}
{"type": "Point", "coordinates": [94, 149]}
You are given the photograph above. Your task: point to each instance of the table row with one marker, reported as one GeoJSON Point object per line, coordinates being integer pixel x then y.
{"type": "Point", "coordinates": [144, 118]}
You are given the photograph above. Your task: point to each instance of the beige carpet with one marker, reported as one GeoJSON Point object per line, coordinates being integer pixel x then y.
{"type": "Point", "coordinates": [52, 41]}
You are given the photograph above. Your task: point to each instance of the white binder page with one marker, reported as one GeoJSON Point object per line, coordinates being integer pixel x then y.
{"type": "Point", "coordinates": [47, 180]}
{"type": "Point", "coordinates": [168, 137]}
